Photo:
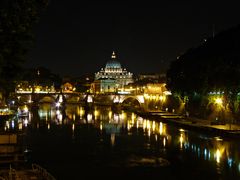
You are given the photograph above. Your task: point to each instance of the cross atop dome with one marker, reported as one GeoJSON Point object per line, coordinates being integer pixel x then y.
{"type": "Point", "coordinates": [113, 55]}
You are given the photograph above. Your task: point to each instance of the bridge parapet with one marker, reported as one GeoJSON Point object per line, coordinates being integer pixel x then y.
{"type": "Point", "coordinates": [80, 97]}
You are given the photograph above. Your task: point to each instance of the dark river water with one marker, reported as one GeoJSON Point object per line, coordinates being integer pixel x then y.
{"type": "Point", "coordinates": [101, 143]}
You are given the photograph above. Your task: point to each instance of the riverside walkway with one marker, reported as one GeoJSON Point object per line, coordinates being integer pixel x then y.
{"type": "Point", "coordinates": [196, 124]}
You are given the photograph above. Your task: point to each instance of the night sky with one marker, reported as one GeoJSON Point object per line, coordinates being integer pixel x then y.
{"type": "Point", "coordinates": [75, 37]}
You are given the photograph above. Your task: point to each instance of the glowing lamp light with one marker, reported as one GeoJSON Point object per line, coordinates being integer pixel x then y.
{"type": "Point", "coordinates": [37, 90]}
{"type": "Point", "coordinates": [218, 101]}
{"type": "Point", "coordinates": [60, 99]}
{"type": "Point", "coordinates": [58, 104]}
{"type": "Point", "coordinates": [25, 109]}
{"type": "Point", "coordinates": [89, 99]}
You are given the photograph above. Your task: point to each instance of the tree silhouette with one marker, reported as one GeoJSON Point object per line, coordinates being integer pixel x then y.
{"type": "Point", "coordinates": [17, 18]}
{"type": "Point", "coordinates": [213, 66]}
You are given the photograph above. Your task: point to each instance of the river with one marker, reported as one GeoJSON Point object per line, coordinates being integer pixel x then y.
{"type": "Point", "coordinates": [75, 144]}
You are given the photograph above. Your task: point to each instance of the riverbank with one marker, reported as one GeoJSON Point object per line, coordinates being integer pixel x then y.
{"type": "Point", "coordinates": [195, 124]}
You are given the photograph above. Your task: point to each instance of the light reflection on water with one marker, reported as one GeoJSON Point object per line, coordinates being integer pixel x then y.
{"type": "Point", "coordinates": [224, 154]}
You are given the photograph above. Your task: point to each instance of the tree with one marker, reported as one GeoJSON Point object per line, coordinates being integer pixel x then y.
{"type": "Point", "coordinates": [17, 18]}
{"type": "Point", "coordinates": [213, 66]}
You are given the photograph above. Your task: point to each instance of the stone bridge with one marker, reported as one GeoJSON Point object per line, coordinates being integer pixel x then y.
{"type": "Point", "coordinates": [78, 98]}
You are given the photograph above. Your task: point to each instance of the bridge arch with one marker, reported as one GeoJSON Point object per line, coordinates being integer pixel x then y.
{"type": "Point", "coordinates": [47, 99]}
{"type": "Point", "coordinates": [131, 101]}
{"type": "Point", "coordinates": [139, 98]}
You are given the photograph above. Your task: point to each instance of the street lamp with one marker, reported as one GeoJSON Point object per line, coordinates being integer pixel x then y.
{"type": "Point", "coordinates": [219, 101]}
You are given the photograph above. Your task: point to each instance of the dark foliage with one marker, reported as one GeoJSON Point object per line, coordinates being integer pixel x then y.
{"type": "Point", "coordinates": [17, 18]}
{"type": "Point", "coordinates": [213, 66]}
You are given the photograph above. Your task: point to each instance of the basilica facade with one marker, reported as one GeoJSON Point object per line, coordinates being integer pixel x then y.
{"type": "Point", "coordinates": [113, 77]}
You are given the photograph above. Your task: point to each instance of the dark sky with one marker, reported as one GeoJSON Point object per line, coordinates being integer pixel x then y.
{"type": "Point", "coordinates": [75, 37]}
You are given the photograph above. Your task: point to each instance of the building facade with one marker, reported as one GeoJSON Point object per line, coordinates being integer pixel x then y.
{"type": "Point", "coordinates": [113, 77]}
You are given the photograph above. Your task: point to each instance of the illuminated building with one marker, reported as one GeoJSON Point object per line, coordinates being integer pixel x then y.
{"type": "Point", "coordinates": [155, 94]}
{"type": "Point", "coordinates": [113, 76]}
{"type": "Point", "coordinates": [67, 88]}
{"type": "Point", "coordinates": [26, 87]}
{"type": "Point", "coordinates": [104, 85]}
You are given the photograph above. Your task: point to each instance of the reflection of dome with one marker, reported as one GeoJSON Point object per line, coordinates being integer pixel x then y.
{"type": "Point", "coordinates": [113, 64]}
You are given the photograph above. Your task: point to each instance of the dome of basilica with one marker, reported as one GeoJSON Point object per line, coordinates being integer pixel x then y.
{"type": "Point", "coordinates": [113, 64]}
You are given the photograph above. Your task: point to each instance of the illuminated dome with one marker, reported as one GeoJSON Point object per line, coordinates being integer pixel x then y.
{"type": "Point", "coordinates": [113, 63]}
{"type": "Point", "coordinates": [113, 77]}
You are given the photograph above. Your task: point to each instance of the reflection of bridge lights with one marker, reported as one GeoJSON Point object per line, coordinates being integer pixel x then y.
{"type": "Point", "coordinates": [133, 116]}
{"type": "Point", "coordinates": [96, 113]}
{"type": "Point", "coordinates": [48, 126]}
{"type": "Point", "coordinates": [164, 142]}
{"type": "Point", "coordinates": [153, 126]}
{"type": "Point", "coordinates": [198, 151]}
{"type": "Point", "coordinates": [7, 125]}
{"type": "Point", "coordinates": [25, 122]}
{"type": "Point", "coordinates": [13, 124]}
{"type": "Point", "coordinates": [128, 125]}
{"type": "Point", "coordinates": [181, 139]}
{"type": "Point", "coordinates": [60, 99]}
{"type": "Point", "coordinates": [60, 117]}
{"type": "Point", "coordinates": [230, 161]}
{"type": "Point", "coordinates": [123, 115]}
{"type": "Point", "coordinates": [101, 126]}
{"type": "Point", "coordinates": [149, 132]}
{"type": "Point", "coordinates": [89, 117]}
{"type": "Point", "coordinates": [161, 128]}
{"type": "Point", "coordinates": [148, 124]}
{"type": "Point", "coordinates": [81, 112]}
{"type": "Point", "coordinates": [110, 114]}
{"type": "Point", "coordinates": [205, 153]}
{"type": "Point", "coordinates": [112, 139]}
{"type": "Point", "coordinates": [73, 127]}
{"type": "Point", "coordinates": [58, 112]}
{"type": "Point", "coordinates": [132, 121]}
{"type": "Point", "coordinates": [144, 124]}
{"type": "Point", "coordinates": [218, 156]}
{"type": "Point", "coordinates": [58, 104]}
{"type": "Point", "coordinates": [115, 118]}
{"type": "Point", "coordinates": [20, 126]}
